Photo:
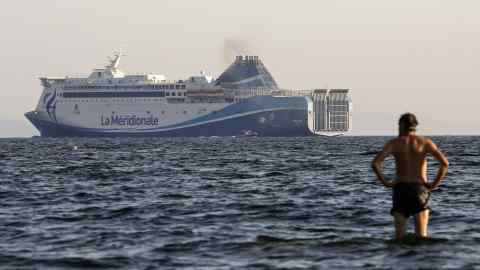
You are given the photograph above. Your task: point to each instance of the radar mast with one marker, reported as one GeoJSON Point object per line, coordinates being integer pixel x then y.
{"type": "Point", "coordinates": [115, 61]}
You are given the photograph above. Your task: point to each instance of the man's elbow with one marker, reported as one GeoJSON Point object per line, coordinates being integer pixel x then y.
{"type": "Point", "coordinates": [445, 164]}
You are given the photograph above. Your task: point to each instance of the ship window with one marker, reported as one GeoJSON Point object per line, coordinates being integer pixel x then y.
{"type": "Point", "coordinates": [168, 94]}
{"type": "Point", "coordinates": [177, 86]}
{"type": "Point", "coordinates": [172, 86]}
{"type": "Point", "coordinates": [183, 86]}
{"type": "Point", "coordinates": [173, 94]}
{"type": "Point", "coordinates": [130, 95]}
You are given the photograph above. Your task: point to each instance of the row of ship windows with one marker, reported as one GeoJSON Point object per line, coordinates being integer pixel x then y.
{"type": "Point", "coordinates": [122, 100]}
{"type": "Point", "coordinates": [110, 100]}
{"type": "Point", "coordinates": [120, 94]}
{"type": "Point", "coordinates": [147, 86]}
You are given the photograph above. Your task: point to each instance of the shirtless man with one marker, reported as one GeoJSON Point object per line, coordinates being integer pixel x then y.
{"type": "Point", "coordinates": [411, 189]}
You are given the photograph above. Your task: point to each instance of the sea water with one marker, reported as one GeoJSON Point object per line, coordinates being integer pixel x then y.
{"type": "Point", "coordinates": [224, 203]}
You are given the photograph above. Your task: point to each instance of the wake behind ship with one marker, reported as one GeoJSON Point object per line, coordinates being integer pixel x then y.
{"type": "Point", "coordinates": [244, 101]}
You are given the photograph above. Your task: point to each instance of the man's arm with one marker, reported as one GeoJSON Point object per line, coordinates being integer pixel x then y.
{"type": "Point", "coordinates": [440, 157]}
{"type": "Point", "coordinates": [377, 163]}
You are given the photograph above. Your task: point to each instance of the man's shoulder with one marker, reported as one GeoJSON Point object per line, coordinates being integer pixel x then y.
{"type": "Point", "coordinates": [425, 143]}
{"type": "Point", "coordinates": [392, 142]}
{"type": "Point", "coordinates": [400, 141]}
{"type": "Point", "coordinates": [423, 140]}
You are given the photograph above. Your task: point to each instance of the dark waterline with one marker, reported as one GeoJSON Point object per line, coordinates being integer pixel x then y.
{"type": "Point", "coordinates": [223, 203]}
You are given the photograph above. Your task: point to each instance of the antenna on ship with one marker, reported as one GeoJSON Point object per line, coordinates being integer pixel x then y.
{"type": "Point", "coordinates": [115, 61]}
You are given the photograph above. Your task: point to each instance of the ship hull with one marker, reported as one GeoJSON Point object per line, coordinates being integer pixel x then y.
{"type": "Point", "coordinates": [286, 123]}
{"type": "Point", "coordinates": [257, 116]}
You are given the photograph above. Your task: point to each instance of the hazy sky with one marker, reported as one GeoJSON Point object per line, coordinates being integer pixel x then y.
{"type": "Point", "coordinates": [396, 56]}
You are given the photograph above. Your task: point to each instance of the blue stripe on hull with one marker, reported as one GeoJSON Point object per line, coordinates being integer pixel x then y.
{"type": "Point", "coordinates": [279, 123]}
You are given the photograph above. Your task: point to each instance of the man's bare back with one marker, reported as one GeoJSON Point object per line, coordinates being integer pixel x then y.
{"type": "Point", "coordinates": [410, 152]}
{"type": "Point", "coordinates": [411, 186]}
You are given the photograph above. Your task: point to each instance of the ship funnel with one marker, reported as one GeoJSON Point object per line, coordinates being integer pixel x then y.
{"type": "Point", "coordinates": [246, 72]}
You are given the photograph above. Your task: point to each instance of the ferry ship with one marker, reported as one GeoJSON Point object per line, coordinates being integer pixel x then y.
{"type": "Point", "coordinates": [244, 100]}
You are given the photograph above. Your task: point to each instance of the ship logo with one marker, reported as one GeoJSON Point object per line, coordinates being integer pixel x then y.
{"type": "Point", "coordinates": [50, 101]}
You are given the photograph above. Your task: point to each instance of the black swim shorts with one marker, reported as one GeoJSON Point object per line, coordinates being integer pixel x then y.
{"type": "Point", "coordinates": [410, 198]}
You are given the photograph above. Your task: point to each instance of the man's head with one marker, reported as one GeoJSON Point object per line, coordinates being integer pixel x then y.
{"type": "Point", "coordinates": [408, 122]}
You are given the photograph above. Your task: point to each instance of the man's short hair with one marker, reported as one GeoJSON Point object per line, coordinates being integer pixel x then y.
{"type": "Point", "coordinates": [409, 121]}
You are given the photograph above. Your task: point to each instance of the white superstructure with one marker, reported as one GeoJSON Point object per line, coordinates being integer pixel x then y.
{"type": "Point", "coordinates": [137, 101]}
